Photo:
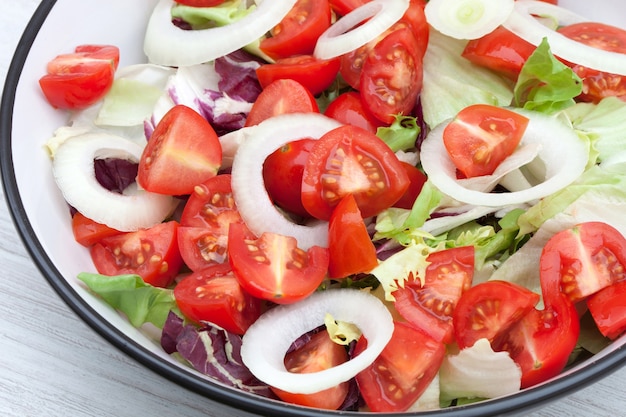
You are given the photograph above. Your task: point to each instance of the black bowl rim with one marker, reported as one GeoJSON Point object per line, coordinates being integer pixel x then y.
{"type": "Point", "coordinates": [528, 399]}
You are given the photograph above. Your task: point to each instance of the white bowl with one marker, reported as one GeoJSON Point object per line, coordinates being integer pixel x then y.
{"type": "Point", "coordinates": [42, 219]}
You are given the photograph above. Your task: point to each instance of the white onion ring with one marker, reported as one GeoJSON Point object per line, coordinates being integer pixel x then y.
{"type": "Point", "coordinates": [264, 355]}
{"type": "Point", "coordinates": [344, 36]}
{"type": "Point", "coordinates": [249, 192]}
{"type": "Point", "coordinates": [563, 153]}
{"type": "Point", "coordinates": [446, 16]}
{"type": "Point", "coordinates": [165, 44]}
{"type": "Point", "coordinates": [73, 171]}
{"type": "Point", "coordinates": [523, 24]}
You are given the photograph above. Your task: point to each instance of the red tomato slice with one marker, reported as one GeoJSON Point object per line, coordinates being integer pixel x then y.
{"type": "Point", "coordinates": [429, 305]}
{"type": "Point", "coordinates": [205, 220]}
{"type": "Point", "coordinates": [201, 3]}
{"type": "Point", "coordinates": [214, 295]}
{"type": "Point", "coordinates": [343, 7]}
{"type": "Point", "coordinates": [280, 97]}
{"type": "Point", "coordinates": [481, 136]}
{"type": "Point", "coordinates": [416, 18]}
{"type": "Point", "coordinates": [282, 173]}
{"type": "Point", "coordinates": [182, 152]}
{"type": "Point", "coordinates": [597, 84]}
{"type": "Point", "coordinates": [542, 341]}
{"type": "Point", "coordinates": [607, 309]}
{"type": "Point", "coordinates": [349, 244]}
{"type": "Point", "coordinates": [151, 253]}
{"type": "Point", "coordinates": [582, 260]}
{"type": "Point", "coordinates": [273, 268]}
{"type": "Point", "coordinates": [314, 74]}
{"type": "Point", "coordinates": [318, 354]}
{"type": "Point", "coordinates": [78, 80]}
{"type": "Point", "coordinates": [500, 50]}
{"type": "Point", "coordinates": [403, 370]}
{"type": "Point", "coordinates": [351, 160]}
{"type": "Point", "coordinates": [348, 109]}
{"type": "Point", "coordinates": [417, 180]}
{"type": "Point", "coordinates": [297, 33]}
{"type": "Point", "coordinates": [391, 78]}
{"type": "Point", "coordinates": [489, 309]}
{"type": "Point", "coordinates": [87, 232]}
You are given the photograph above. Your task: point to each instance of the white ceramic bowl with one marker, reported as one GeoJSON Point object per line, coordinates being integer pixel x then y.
{"type": "Point", "coordinates": [42, 218]}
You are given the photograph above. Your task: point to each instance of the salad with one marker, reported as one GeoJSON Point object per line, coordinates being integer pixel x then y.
{"type": "Point", "coordinates": [420, 201]}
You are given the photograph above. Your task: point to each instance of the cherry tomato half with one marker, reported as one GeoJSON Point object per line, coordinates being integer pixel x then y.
{"type": "Point", "coordinates": [280, 97]}
{"type": "Point", "coordinates": [314, 74]}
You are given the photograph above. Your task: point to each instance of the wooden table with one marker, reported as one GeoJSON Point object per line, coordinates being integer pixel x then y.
{"type": "Point", "coordinates": [52, 364]}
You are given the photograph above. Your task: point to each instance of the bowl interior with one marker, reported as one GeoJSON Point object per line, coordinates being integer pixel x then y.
{"type": "Point", "coordinates": [43, 220]}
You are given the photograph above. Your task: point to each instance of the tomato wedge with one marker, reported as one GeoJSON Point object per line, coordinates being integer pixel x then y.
{"type": "Point", "coordinates": [481, 136]}
{"type": "Point", "coordinates": [151, 253]}
{"type": "Point", "coordinates": [542, 341]}
{"type": "Point", "coordinates": [297, 33]}
{"type": "Point", "coordinates": [417, 179]}
{"type": "Point", "coordinates": [429, 304]}
{"type": "Point", "coordinates": [282, 173]}
{"type": "Point", "coordinates": [272, 267]}
{"type": "Point", "coordinates": [214, 295]}
{"type": "Point", "coordinates": [182, 152]}
{"type": "Point", "coordinates": [348, 109]}
{"type": "Point", "coordinates": [582, 260]}
{"type": "Point", "coordinates": [403, 370]}
{"type": "Point", "coordinates": [318, 354]}
{"type": "Point", "coordinates": [351, 160]}
{"type": "Point", "coordinates": [314, 74]}
{"type": "Point", "coordinates": [87, 232]}
{"type": "Point", "coordinates": [598, 84]}
{"type": "Point", "coordinates": [607, 309]}
{"type": "Point", "coordinates": [280, 97]}
{"type": "Point", "coordinates": [489, 309]}
{"type": "Point", "coordinates": [349, 244]}
{"type": "Point", "coordinates": [392, 76]}
{"type": "Point", "coordinates": [78, 80]}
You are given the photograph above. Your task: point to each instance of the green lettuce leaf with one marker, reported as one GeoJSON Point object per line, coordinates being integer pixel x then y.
{"type": "Point", "coordinates": [545, 84]}
{"type": "Point", "coordinates": [401, 134]}
{"type": "Point", "coordinates": [139, 301]}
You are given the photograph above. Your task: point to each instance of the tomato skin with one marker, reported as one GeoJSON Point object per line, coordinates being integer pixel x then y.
{"type": "Point", "coordinates": [607, 309]}
{"type": "Point", "coordinates": [280, 97]}
{"type": "Point", "coordinates": [489, 309]}
{"type": "Point", "coordinates": [351, 249]}
{"type": "Point", "coordinates": [211, 204]}
{"type": "Point", "coordinates": [151, 253]}
{"type": "Point", "coordinates": [481, 136]}
{"type": "Point", "coordinates": [343, 7]}
{"type": "Point", "coordinates": [500, 50]}
{"type": "Point", "coordinates": [351, 160]}
{"type": "Point", "coordinates": [318, 354]}
{"type": "Point", "coordinates": [348, 109]}
{"type": "Point", "coordinates": [581, 261]}
{"type": "Point", "coordinates": [214, 295]}
{"type": "Point", "coordinates": [182, 152]}
{"type": "Point", "coordinates": [392, 76]}
{"type": "Point", "coordinates": [282, 173]}
{"type": "Point", "coordinates": [272, 267]}
{"type": "Point", "coordinates": [403, 370]}
{"type": "Point", "coordinates": [297, 33]}
{"type": "Point", "coordinates": [542, 341]}
{"type": "Point", "coordinates": [430, 306]}
{"type": "Point", "coordinates": [598, 84]}
{"type": "Point", "coordinates": [78, 80]}
{"type": "Point", "coordinates": [200, 3]}
{"type": "Point", "coordinates": [87, 232]}
{"type": "Point", "coordinates": [417, 179]}
{"type": "Point", "coordinates": [314, 74]}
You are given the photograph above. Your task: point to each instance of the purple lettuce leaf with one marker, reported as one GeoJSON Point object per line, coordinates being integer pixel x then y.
{"type": "Point", "coordinates": [115, 174]}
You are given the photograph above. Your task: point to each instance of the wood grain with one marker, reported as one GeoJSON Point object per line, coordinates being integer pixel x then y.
{"type": "Point", "coordinates": [52, 364]}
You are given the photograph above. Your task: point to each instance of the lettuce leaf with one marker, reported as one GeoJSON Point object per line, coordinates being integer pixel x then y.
{"type": "Point", "coordinates": [401, 135]}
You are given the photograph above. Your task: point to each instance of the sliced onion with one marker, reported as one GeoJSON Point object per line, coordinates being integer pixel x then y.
{"type": "Point", "coordinates": [345, 36]}
{"type": "Point", "coordinates": [562, 154]}
{"type": "Point", "coordinates": [73, 170]}
{"type": "Point", "coordinates": [251, 197]}
{"type": "Point", "coordinates": [522, 22]}
{"type": "Point", "coordinates": [166, 44]}
{"type": "Point", "coordinates": [467, 19]}
{"type": "Point", "coordinates": [266, 342]}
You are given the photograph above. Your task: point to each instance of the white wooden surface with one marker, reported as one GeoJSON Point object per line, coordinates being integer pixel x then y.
{"type": "Point", "coordinates": [52, 364]}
